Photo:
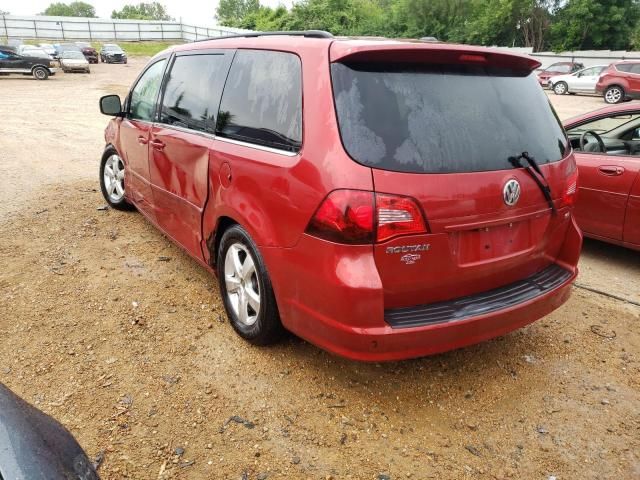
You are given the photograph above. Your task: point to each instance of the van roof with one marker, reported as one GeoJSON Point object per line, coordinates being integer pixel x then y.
{"type": "Point", "coordinates": [343, 47]}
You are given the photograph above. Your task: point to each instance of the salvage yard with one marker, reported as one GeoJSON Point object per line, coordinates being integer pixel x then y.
{"type": "Point", "coordinates": [111, 329]}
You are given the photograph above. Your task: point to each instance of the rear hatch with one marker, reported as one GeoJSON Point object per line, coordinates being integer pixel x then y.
{"type": "Point", "coordinates": [438, 126]}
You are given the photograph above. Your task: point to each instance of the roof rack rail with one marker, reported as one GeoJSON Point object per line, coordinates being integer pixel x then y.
{"type": "Point", "coordinates": [302, 33]}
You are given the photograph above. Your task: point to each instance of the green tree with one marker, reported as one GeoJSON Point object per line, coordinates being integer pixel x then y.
{"type": "Point", "coordinates": [143, 11]}
{"type": "Point", "coordinates": [595, 24]}
{"type": "Point", "coordinates": [73, 9]}
{"type": "Point", "coordinates": [233, 12]}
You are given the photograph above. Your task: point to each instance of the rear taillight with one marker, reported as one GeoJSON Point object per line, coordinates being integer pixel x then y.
{"type": "Point", "coordinates": [345, 216]}
{"type": "Point", "coordinates": [357, 217]}
{"type": "Point", "coordinates": [569, 195]}
{"type": "Point", "coordinates": [397, 216]}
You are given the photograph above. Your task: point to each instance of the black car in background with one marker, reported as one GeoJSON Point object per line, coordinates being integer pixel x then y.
{"type": "Point", "coordinates": [12, 63]}
{"type": "Point", "coordinates": [112, 53]}
{"type": "Point", "coordinates": [90, 53]}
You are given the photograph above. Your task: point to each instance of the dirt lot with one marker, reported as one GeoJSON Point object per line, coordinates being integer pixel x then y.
{"type": "Point", "coordinates": [114, 331]}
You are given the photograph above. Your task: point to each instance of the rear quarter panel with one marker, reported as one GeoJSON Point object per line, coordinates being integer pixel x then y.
{"type": "Point", "coordinates": [273, 195]}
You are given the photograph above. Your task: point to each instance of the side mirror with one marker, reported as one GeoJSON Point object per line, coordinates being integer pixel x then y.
{"type": "Point", "coordinates": [111, 105]}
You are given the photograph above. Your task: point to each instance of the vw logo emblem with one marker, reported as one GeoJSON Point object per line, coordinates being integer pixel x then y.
{"type": "Point", "coordinates": [511, 192]}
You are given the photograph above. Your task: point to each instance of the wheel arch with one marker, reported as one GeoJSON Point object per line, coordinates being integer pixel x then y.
{"type": "Point", "coordinates": [619, 85]}
{"type": "Point", "coordinates": [223, 223]}
{"type": "Point", "coordinates": [39, 65]}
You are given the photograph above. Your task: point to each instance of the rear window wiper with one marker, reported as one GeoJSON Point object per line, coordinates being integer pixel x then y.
{"type": "Point", "coordinates": [533, 169]}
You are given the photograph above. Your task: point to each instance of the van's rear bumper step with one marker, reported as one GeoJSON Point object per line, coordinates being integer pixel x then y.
{"type": "Point", "coordinates": [480, 303]}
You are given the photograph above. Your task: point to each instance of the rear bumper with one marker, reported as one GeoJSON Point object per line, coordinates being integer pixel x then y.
{"type": "Point", "coordinates": [332, 296]}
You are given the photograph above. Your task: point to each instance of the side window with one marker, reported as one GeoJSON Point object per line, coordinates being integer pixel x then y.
{"type": "Point", "coordinates": [604, 125]}
{"type": "Point", "coordinates": [635, 68]}
{"type": "Point", "coordinates": [624, 67]}
{"type": "Point", "coordinates": [589, 72]}
{"type": "Point", "coordinates": [145, 93]}
{"type": "Point", "coordinates": [262, 100]}
{"type": "Point", "coordinates": [192, 92]}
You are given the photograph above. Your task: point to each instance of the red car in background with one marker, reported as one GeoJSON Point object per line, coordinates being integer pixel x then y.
{"type": "Point", "coordinates": [90, 53]}
{"type": "Point", "coordinates": [559, 68]}
{"type": "Point", "coordinates": [399, 222]}
{"type": "Point", "coordinates": [607, 148]}
{"type": "Point", "coordinates": [620, 82]}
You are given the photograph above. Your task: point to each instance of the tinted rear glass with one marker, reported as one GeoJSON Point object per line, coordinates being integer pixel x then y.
{"type": "Point", "coordinates": [441, 119]}
{"type": "Point", "coordinates": [262, 100]}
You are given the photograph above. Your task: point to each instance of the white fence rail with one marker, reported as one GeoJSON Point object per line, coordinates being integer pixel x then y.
{"type": "Point", "coordinates": [587, 57]}
{"type": "Point", "coordinates": [80, 28]}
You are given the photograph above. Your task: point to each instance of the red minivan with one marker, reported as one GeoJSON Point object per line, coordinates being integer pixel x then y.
{"type": "Point", "coordinates": [381, 199]}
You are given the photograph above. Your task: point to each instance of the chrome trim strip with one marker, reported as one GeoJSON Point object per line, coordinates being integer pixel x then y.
{"type": "Point", "coordinates": [186, 130]}
{"type": "Point", "coordinates": [15, 70]}
{"type": "Point", "coordinates": [227, 140]}
{"type": "Point", "coordinates": [258, 147]}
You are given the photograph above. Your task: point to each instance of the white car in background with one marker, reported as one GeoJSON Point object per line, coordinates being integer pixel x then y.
{"type": "Point", "coordinates": [47, 47]}
{"type": "Point", "coordinates": [32, 51]}
{"type": "Point", "coordinates": [73, 61]}
{"type": "Point", "coordinates": [582, 81]}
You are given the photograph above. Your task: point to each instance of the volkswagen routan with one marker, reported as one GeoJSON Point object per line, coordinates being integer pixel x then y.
{"type": "Point", "coordinates": [381, 199]}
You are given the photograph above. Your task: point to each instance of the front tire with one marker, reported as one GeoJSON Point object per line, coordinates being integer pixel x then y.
{"type": "Point", "coordinates": [112, 172]}
{"type": "Point", "coordinates": [40, 73]}
{"type": "Point", "coordinates": [613, 95]}
{"type": "Point", "coordinates": [246, 289]}
{"type": "Point", "coordinates": [560, 88]}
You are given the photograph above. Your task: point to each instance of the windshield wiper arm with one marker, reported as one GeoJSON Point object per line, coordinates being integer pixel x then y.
{"type": "Point", "coordinates": [533, 169]}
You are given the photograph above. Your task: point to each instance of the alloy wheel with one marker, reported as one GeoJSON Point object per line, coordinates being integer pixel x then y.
{"type": "Point", "coordinates": [114, 178]}
{"type": "Point", "coordinates": [560, 88]}
{"type": "Point", "coordinates": [241, 281]}
{"type": "Point", "coordinates": [613, 95]}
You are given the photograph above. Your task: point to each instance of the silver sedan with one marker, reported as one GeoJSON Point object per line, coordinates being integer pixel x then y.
{"type": "Point", "coordinates": [582, 81]}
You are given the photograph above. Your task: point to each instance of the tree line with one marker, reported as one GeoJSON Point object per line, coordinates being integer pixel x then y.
{"type": "Point", "coordinates": [540, 24]}
{"type": "Point", "coordinates": [140, 11]}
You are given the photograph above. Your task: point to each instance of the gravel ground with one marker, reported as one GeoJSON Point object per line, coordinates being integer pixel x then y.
{"type": "Point", "coordinates": [110, 328]}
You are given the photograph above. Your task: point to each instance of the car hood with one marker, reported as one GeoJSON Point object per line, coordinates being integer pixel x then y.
{"type": "Point", "coordinates": [33, 446]}
{"type": "Point", "coordinates": [74, 61]}
{"type": "Point", "coordinates": [114, 53]}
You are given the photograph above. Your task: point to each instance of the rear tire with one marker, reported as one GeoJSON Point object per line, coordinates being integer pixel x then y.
{"type": "Point", "coordinates": [246, 289]}
{"type": "Point", "coordinates": [561, 88]}
{"type": "Point", "coordinates": [614, 94]}
{"type": "Point", "coordinates": [40, 73]}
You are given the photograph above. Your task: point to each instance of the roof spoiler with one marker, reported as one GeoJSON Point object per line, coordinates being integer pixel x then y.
{"type": "Point", "coordinates": [424, 52]}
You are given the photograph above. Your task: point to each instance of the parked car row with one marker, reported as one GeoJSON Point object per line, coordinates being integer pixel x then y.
{"type": "Point", "coordinates": [43, 60]}
{"type": "Point", "coordinates": [616, 82]}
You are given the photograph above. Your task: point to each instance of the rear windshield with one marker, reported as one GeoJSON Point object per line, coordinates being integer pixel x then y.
{"type": "Point", "coordinates": [443, 118]}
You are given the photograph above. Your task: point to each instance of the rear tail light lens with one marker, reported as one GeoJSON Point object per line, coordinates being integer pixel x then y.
{"type": "Point", "coordinates": [345, 216]}
{"type": "Point", "coordinates": [397, 216]}
{"type": "Point", "coordinates": [570, 193]}
{"type": "Point", "coordinates": [357, 217]}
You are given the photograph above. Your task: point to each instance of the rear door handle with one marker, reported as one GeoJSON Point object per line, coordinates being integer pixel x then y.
{"type": "Point", "coordinates": [157, 144]}
{"type": "Point", "coordinates": [611, 170]}
{"type": "Point", "coordinates": [142, 140]}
